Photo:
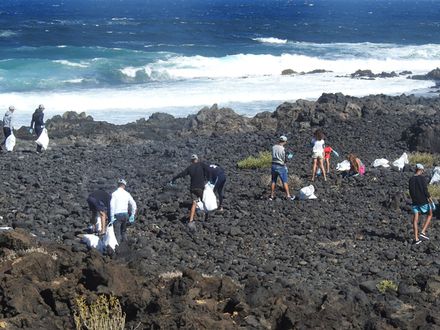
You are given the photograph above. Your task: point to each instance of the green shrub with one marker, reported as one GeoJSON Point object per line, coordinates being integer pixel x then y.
{"type": "Point", "coordinates": [386, 285]}
{"type": "Point", "coordinates": [104, 313]}
{"type": "Point", "coordinates": [434, 190]}
{"type": "Point", "coordinates": [264, 160]}
{"type": "Point", "coordinates": [424, 158]}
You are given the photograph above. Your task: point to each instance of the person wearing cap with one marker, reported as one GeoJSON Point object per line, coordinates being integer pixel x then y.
{"type": "Point", "coordinates": [318, 154]}
{"type": "Point", "coordinates": [122, 210]}
{"type": "Point", "coordinates": [99, 205]}
{"type": "Point", "coordinates": [8, 124]}
{"type": "Point", "coordinates": [37, 123]}
{"type": "Point", "coordinates": [199, 175]}
{"type": "Point", "coordinates": [421, 202]}
{"type": "Point", "coordinates": [279, 167]}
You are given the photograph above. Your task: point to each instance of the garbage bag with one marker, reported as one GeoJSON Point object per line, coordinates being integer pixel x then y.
{"type": "Point", "coordinates": [381, 162]}
{"type": "Point", "coordinates": [93, 241]}
{"type": "Point", "coordinates": [209, 200]}
{"type": "Point", "coordinates": [435, 176]}
{"type": "Point", "coordinates": [43, 139]}
{"type": "Point", "coordinates": [10, 142]}
{"type": "Point", "coordinates": [307, 193]}
{"type": "Point", "coordinates": [401, 161]}
{"type": "Point", "coordinates": [110, 237]}
{"type": "Point", "coordinates": [343, 166]}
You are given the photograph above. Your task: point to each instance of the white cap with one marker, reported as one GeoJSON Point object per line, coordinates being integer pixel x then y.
{"type": "Point", "coordinates": [122, 181]}
{"type": "Point", "coordinates": [194, 157]}
{"type": "Point", "coordinates": [11, 107]}
{"type": "Point", "coordinates": [420, 166]}
{"type": "Point", "coordinates": [283, 138]}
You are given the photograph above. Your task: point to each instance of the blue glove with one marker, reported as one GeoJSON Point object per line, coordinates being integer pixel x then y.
{"type": "Point", "coordinates": [31, 130]}
{"type": "Point", "coordinates": [336, 154]}
{"type": "Point", "coordinates": [289, 155]}
{"type": "Point", "coordinates": [171, 183]}
{"type": "Point", "coordinates": [131, 219]}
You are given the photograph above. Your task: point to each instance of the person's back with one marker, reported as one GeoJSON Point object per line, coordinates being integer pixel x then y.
{"type": "Point", "coordinates": [7, 119]}
{"type": "Point", "coordinates": [198, 173]}
{"type": "Point", "coordinates": [418, 190]}
{"type": "Point", "coordinates": [278, 155]}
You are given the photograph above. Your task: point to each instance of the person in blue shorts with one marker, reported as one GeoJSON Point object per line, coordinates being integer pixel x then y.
{"type": "Point", "coordinates": [279, 168]}
{"type": "Point", "coordinates": [421, 202]}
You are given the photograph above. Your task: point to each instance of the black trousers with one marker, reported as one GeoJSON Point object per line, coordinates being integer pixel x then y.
{"type": "Point", "coordinates": [6, 131]}
{"type": "Point", "coordinates": [219, 189]}
{"type": "Point", "coordinates": [120, 227]}
{"type": "Point", "coordinates": [38, 131]}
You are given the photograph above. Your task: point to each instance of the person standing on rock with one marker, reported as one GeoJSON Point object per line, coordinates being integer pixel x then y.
{"type": "Point", "coordinates": [421, 200]}
{"type": "Point", "coordinates": [279, 167]}
{"type": "Point", "coordinates": [122, 210]}
{"type": "Point", "coordinates": [8, 124]}
{"type": "Point", "coordinates": [218, 178]}
{"type": "Point", "coordinates": [99, 205]}
{"type": "Point", "coordinates": [318, 154]}
{"type": "Point", "coordinates": [199, 175]}
{"type": "Point", "coordinates": [37, 123]}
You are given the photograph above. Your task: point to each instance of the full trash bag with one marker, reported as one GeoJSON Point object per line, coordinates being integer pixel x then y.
{"type": "Point", "coordinates": [343, 166]}
{"type": "Point", "coordinates": [10, 142]}
{"type": "Point", "coordinates": [209, 200]}
{"type": "Point", "coordinates": [307, 193]}
{"type": "Point", "coordinates": [401, 161]}
{"type": "Point", "coordinates": [110, 237]}
{"type": "Point", "coordinates": [435, 176]}
{"type": "Point", "coordinates": [43, 139]}
{"type": "Point", "coordinates": [381, 162]}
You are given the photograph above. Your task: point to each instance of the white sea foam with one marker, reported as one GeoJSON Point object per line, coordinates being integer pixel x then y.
{"type": "Point", "coordinates": [7, 33]}
{"type": "Point", "coordinates": [69, 63]}
{"type": "Point", "coordinates": [270, 40]}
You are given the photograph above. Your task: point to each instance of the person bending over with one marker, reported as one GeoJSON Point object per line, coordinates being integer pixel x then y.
{"type": "Point", "coordinates": [199, 175]}
{"type": "Point", "coordinates": [99, 205]}
{"type": "Point", "coordinates": [37, 123]}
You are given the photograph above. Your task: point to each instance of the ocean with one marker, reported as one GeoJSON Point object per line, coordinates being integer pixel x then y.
{"type": "Point", "coordinates": [121, 60]}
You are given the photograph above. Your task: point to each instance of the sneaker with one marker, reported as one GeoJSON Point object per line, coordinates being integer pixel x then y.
{"type": "Point", "coordinates": [271, 198]}
{"type": "Point", "coordinates": [424, 236]}
{"type": "Point", "coordinates": [417, 242]}
{"type": "Point", "coordinates": [292, 198]}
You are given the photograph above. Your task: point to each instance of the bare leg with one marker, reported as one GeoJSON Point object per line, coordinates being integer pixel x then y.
{"type": "Point", "coordinates": [427, 222]}
{"type": "Point", "coordinates": [321, 166]}
{"type": "Point", "coordinates": [193, 211]}
{"type": "Point", "coordinates": [272, 189]}
{"type": "Point", "coordinates": [103, 218]}
{"type": "Point", "coordinates": [286, 189]}
{"type": "Point", "coordinates": [327, 162]}
{"type": "Point", "coordinates": [314, 168]}
{"type": "Point", "coordinates": [415, 226]}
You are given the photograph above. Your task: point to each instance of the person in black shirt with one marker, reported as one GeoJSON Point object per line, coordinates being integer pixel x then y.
{"type": "Point", "coordinates": [421, 200]}
{"type": "Point", "coordinates": [199, 174]}
{"type": "Point", "coordinates": [37, 123]}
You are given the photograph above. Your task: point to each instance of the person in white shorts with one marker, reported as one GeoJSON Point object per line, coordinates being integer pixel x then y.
{"type": "Point", "coordinates": [318, 154]}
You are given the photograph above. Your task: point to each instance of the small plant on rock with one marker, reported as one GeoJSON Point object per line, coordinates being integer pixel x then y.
{"type": "Point", "coordinates": [424, 158]}
{"type": "Point", "coordinates": [263, 160]}
{"type": "Point", "coordinates": [434, 190]}
{"type": "Point", "coordinates": [386, 285]}
{"type": "Point", "coordinates": [104, 313]}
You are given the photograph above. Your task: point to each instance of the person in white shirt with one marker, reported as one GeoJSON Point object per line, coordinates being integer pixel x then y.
{"type": "Point", "coordinates": [122, 210]}
{"type": "Point", "coordinates": [318, 154]}
{"type": "Point", "coordinates": [8, 124]}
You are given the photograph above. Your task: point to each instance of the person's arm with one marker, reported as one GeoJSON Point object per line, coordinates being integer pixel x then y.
{"type": "Point", "coordinates": [112, 208]}
{"type": "Point", "coordinates": [132, 204]}
{"type": "Point", "coordinates": [181, 174]}
{"type": "Point", "coordinates": [426, 191]}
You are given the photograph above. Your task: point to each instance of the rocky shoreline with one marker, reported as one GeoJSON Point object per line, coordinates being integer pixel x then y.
{"type": "Point", "coordinates": [258, 265]}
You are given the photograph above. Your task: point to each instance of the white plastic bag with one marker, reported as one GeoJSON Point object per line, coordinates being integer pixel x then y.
{"type": "Point", "coordinates": [435, 176]}
{"type": "Point", "coordinates": [110, 237]}
{"type": "Point", "coordinates": [10, 142]}
{"type": "Point", "coordinates": [43, 139]}
{"type": "Point", "coordinates": [92, 241]}
{"type": "Point", "coordinates": [307, 193]}
{"type": "Point", "coordinates": [381, 162]}
{"type": "Point", "coordinates": [343, 166]}
{"type": "Point", "coordinates": [209, 200]}
{"type": "Point", "coordinates": [401, 162]}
